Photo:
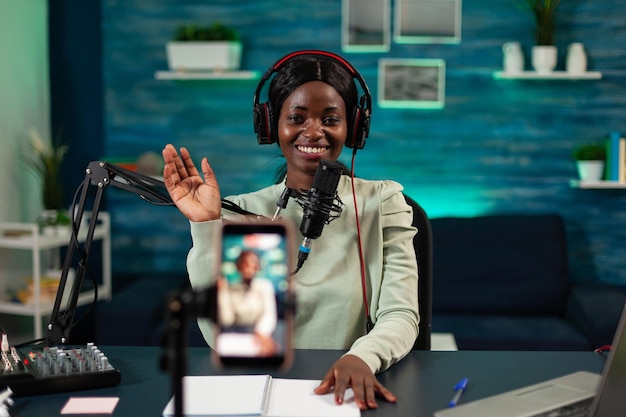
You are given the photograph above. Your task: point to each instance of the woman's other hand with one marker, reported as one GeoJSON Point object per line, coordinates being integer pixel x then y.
{"type": "Point", "coordinates": [351, 371]}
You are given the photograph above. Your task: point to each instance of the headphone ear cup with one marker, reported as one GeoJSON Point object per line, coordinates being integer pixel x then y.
{"type": "Point", "coordinates": [263, 123]}
{"type": "Point", "coordinates": [360, 129]}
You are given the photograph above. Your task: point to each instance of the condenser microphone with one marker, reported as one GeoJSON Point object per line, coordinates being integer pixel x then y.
{"type": "Point", "coordinates": [319, 205]}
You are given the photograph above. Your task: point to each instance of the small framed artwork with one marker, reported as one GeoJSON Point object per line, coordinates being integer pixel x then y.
{"type": "Point", "coordinates": [411, 83]}
{"type": "Point", "coordinates": [366, 25]}
{"type": "Point", "coordinates": [427, 21]}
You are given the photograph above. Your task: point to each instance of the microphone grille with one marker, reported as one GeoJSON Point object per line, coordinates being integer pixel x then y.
{"type": "Point", "coordinates": [327, 176]}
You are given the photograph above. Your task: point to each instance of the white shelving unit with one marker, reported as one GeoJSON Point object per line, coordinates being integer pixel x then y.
{"type": "Point", "coordinates": [207, 75]}
{"type": "Point", "coordinates": [597, 184]}
{"type": "Point", "coordinates": [26, 236]}
{"type": "Point", "coordinates": [556, 75]}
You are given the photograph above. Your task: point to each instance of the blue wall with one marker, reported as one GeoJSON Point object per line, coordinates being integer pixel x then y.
{"type": "Point", "coordinates": [498, 146]}
{"type": "Point", "coordinates": [76, 110]}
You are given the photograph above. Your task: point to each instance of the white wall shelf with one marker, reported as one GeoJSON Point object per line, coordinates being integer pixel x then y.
{"type": "Point", "coordinates": [597, 184]}
{"type": "Point", "coordinates": [26, 236]}
{"type": "Point", "coordinates": [556, 75]}
{"type": "Point", "coordinates": [207, 75]}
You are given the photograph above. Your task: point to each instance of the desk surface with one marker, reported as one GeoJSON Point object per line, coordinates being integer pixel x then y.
{"type": "Point", "coordinates": [423, 381]}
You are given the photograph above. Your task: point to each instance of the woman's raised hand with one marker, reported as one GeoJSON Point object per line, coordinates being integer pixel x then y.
{"type": "Point", "coordinates": [197, 197]}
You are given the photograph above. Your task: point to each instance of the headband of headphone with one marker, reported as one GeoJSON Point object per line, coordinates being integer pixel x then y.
{"type": "Point", "coordinates": [263, 112]}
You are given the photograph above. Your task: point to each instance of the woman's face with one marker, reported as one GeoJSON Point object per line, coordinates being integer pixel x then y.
{"type": "Point", "coordinates": [312, 125]}
{"type": "Point", "coordinates": [248, 265]}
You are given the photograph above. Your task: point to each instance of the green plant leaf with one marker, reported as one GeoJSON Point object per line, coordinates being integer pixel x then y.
{"type": "Point", "coordinates": [544, 12]}
{"type": "Point", "coordinates": [592, 151]}
{"type": "Point", "coordinates": [218, 31]}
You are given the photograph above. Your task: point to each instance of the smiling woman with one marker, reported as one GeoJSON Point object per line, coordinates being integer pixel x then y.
{"type": "Point", "coordinates": [313, 111]}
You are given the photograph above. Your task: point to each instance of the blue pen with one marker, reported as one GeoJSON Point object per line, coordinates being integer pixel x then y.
{"type": "Point", "coordinates": [459, 389]}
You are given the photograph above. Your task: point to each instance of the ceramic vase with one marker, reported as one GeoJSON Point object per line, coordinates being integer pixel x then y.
{"type": "Point", "coordinates": [576, 62]}
{"type": "Point", "coordinates": [544, 58]}
{"type": "Point", "coordinates": [513, 58]}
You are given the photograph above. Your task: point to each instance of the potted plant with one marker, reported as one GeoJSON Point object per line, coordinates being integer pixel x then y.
{"type": "Point", "coordinates": [45, 157]}
{"type": "Point", "coordinates": [590, 160]}
{"type": "Point", "coordinates": [215, 47]}
{"type": "Point", "coordinates": [544, 52]}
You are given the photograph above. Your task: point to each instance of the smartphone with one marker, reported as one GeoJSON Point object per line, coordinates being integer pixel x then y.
{"type": "Point", "coordinates": [255, 296]}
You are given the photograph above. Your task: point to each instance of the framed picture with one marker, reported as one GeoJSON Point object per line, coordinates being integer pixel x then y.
{"type": "Point", "coordinates": [366, 25]}
{"type": "Point", "coordinates": [427, 21]}
{"type": "Point", "coordinates": [411, 83]}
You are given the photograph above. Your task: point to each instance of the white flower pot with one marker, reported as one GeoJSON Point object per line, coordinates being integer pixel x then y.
{"type": "Point", "coordinates": [590, 170]}
{"type": "Point", "coordinates": [198, 56]}
{"type": "Point", "coordinates": [544, 58]}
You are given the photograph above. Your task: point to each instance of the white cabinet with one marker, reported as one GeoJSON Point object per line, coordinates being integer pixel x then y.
{"type": "Point", "coordinates": [26, 237]}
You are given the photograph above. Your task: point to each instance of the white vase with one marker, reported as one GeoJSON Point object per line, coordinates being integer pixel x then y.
{"type": "Point", "coordinates": [576, 62]}
{"type": "Point", "coordinates": [544, 58]}
{"type": "Point", "coordinates": [590, 170]}
{"type": "Point", "coordinates": [210, 55]}
{"type": "Point", "coordinates": [513, 58]}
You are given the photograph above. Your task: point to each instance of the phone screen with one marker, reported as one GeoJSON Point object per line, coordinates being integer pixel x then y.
{"type": "Point", "coordinates": [254, 295]}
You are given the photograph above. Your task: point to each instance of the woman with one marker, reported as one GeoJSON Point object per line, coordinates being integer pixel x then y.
{"type": "Point", "coordinates": [312, 109]}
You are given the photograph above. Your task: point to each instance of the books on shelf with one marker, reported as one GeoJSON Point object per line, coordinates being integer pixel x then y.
{"type": "Point", "coordinates": [615, 158]}
{"type": "Point", "coordinates": [258, 395]}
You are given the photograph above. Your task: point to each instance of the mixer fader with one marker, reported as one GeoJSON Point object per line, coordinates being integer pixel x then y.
{"type": "Point", "coordinates": [56, 369]}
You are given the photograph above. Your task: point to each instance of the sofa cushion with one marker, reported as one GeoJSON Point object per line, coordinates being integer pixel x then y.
{"type": "Point", "coordinates": [499, 264]}
{"type": "Point", "coordinates": [596, 309]}
{"type": "Point", "coordinates": [128, 319]}
{"type": "Point", "coordinates": [489, 332]}
{"type": "Point", "coordinates": [135, 316]}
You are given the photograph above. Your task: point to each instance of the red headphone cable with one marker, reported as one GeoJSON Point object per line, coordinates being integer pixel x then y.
{"type": "Point", "coordinates": [369, 325]}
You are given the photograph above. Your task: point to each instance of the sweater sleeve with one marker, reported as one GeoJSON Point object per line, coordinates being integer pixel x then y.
{"type": "Point", "coordinates": [394, 294]}
{"type": "Point", "coordinates": [202, 263]}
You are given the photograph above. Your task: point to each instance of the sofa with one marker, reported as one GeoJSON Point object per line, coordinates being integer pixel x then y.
{"type": "Point", "coordinates": [136, 314]}
{"type": "Point", "coordinates": [501, 282]}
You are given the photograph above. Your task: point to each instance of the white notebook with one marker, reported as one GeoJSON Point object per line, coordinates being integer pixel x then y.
{"type": "Point", "coordinates": [258, 395]}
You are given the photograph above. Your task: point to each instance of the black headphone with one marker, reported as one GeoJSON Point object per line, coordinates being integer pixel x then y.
{"type": "Point", "coordinates": [263, 117]}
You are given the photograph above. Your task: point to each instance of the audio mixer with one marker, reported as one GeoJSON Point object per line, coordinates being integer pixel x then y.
{"type": "Point", "coordinates": [55, 369]}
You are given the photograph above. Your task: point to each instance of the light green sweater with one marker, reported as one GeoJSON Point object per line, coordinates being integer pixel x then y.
{"type": "Point", "coordinates": [329, 299]}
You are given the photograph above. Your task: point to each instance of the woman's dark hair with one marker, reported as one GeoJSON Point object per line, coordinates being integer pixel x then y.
{"type": "Point", "coordinates": [303, 69]}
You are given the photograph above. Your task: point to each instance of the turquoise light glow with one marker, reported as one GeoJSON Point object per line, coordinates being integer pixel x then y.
{"type": "Point", "coordinates": [450, 201]}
